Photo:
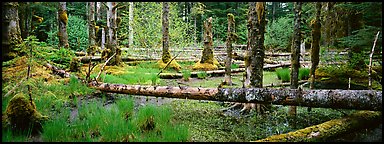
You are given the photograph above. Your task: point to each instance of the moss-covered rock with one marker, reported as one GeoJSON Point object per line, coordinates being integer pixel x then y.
{"type": "Point", "coordinates": [22, 116]}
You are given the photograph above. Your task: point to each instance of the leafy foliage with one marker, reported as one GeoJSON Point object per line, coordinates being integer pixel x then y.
{"type": "Point", "coordinates": [77, 33]}
{"type": "Point", "coordinates": [279, 34]}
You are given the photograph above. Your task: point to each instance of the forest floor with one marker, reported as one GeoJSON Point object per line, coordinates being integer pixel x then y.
{"type": "Point", "coordinates": [204, 119]}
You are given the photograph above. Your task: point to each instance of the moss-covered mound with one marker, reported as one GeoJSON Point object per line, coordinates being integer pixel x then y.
{"type": "Point", "coordinates": [173, 64]}
{"type": "Point", "coordinates": [206, 66]}
{"type": "Point", "coordinates": [22, 116]}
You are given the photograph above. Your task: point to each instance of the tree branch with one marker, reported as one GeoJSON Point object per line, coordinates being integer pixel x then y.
{"type": "Point", "coordinates": [102, 68]}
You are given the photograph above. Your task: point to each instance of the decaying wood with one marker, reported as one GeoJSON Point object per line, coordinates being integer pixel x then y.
{"type": "Point", "coordinates": [370, 61]}
{"type": "Point", "coordinates": [343, 99]}
{"type": "Point", "coordinates": [58, 71]}
{"type": "Point", "coordinates": [102, 68]}
{"type": "Point", "coordinates": [329, 129]}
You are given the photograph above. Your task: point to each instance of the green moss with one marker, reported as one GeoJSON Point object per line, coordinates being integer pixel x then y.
{"type": "Point", "coordinates": [204, 66]}
{"type": "Point", "coordinates": [22, 116]}
{"type": "Point", "coordinates": [173, 65]}
{"type": "Point", "coordinates": [63, 16]}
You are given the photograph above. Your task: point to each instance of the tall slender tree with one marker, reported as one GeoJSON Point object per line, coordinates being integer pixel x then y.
{"type": "Point", "coordinates": [11, 29]}
{"type": "Point", "coordinates": [295, 53]}
{"type": "Point", "coordinates": [91, 26]}
{"type": "Point", "coordinates": [63, 21]}
{"type": "Point", "coordinates": [130, 38]}
{"type": "Point", "coordinates": [230, 38]}
{"type": "Point", "coordinates": [166, 55]}
{"type": "Point", "coordinates": [315, 46]}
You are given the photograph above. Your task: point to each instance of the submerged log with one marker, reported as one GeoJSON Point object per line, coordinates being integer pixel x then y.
{"type": "Point", "coordinates": [330, 129]}
{"type": "Point", "coordinates": [344, 99]}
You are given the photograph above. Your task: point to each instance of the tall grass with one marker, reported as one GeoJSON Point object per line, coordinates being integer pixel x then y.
{"type": "Point", "coordinates": [284, 74]}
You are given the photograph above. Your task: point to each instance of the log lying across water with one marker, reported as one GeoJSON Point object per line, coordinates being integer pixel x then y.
{"type": "Point", "coordinates": [343, 99]}
{"type": "Point", "coordinates": [330, 129]}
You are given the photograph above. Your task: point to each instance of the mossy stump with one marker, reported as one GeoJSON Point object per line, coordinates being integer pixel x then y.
{"type": "Point", "coordinates": [74, 65]}
{"type": "Point", "coordinates": [22, 116]}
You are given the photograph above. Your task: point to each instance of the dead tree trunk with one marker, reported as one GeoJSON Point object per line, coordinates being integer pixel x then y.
{"type": "Point", "coordinates": [63, 21]}
{"type": "Point", "coordinates": [295, 50]}
{"type": "Point", "coordinates": [343, 99]}
{"type": "Point", "coordinates": [370, 61]}
{"type": "Point", "coordinates": [207, 61]}
{"type": "Point", "coordinates": [230, 38]}
{"type": "Point", "coordinates": [329, 129]}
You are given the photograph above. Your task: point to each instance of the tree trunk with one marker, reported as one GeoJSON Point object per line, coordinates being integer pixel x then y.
{"type": "Point", "coordinates": [343, 99]}
{"type": "Point", "coordinates": [370, 61]}
{"type": "Point", "coordinates": [98, 12]}
{"type": "Point", "coordinates": [295, 50]}
{"type": "Point", "coordinates": [112, 42]}
{"type": "Point", "coordinates": [207, 61]}
{"type": "Point", "coordinates": [330, 129]}
{"type": "Point", "coordinates": [315, 46]}
{"type": "Point", "coordinates": [230, 38]}
{"type": "Point", "coordinates": [25, 19]}
{"type": "Point", "coordinates": [10, 30]}
{"type": "Point", "coordinates": [166, 55]}
{"type": "Point", "coordinates": [130, 38]}
{"type": "Point", "coordinates": [63, 21]}
{"type": "Point", "coordinates": [91, 24]}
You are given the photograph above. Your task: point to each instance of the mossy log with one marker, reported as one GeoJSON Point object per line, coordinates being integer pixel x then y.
{"type": "Point", "coordinates": [86, 59]}
{"type": "Point", "coordinates": [330, 129]}
{"type": "Point", "coordinates": [343, 99]}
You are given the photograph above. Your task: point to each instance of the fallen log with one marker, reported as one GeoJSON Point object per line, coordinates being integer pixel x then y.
{"type": "Point", "coordinates": [284, 84]}
{"type": "Point", "coordinates": [330, 129]}
{"type": "Point", "coordinates": [58, 71]}
{"type": "Point", "coordinates": [343, 99]}
{"type": "Point", "coordinates": [86, 59]}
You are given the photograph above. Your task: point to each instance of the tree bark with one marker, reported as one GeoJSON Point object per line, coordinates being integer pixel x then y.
{"type": "Point", "coordinates": [330, 129]}
{"type": "Point", "coordinates": [112, 40]}
{"type": "Point", "coordinates": [63, 21]}
{"type": "Point", "coordinates": [130, 38]}
{"type": "Point", "coordinates": [315, 46]}
{"type": "Point", "coordinates": [11, 30]}
{"type": "Point", "coordinates": [166, 56]}
{"type": "Point", "coordinates": [370, 61]}
{"type": "Point", "coordinates": [98, 12]}
{"type": "Point", "coordinates": [343, 99]}
{"type": "Point", "coordinates": [295, 49]}
{"type": "Point", "coordinates": [91, 24]}
{"type": "Point", "coordinates": [207, 56]}
{"type": "Point", "coordinates": [230, 38]}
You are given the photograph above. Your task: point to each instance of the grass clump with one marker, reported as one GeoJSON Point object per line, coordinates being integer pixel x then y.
{"type": "Point", "coordinates": [303, 73]}
{"type": "Point", "coordinates": [283, 74]}
{"type": "Point", "coordinates": [186, 74]}
{"type": "Point", "coordinates": [202, 75]}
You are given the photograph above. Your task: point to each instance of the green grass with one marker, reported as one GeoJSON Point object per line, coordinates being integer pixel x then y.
{"type": "Point", "coordinates": [283, 74]}
{"type": "Point", "coordinates": [186, 74]}
{"type": "Point", "coordinates": [202, 75]}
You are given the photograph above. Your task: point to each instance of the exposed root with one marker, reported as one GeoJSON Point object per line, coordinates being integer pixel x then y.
{"type": "Point", "coordinates": [248, 107]}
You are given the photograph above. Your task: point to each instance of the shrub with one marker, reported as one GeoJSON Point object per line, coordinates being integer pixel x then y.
{"type": "Point", "coordinates": [279, 33]}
